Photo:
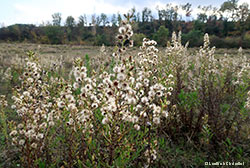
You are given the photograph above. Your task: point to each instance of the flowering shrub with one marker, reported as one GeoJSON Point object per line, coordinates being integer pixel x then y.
{"type": "Point", "coordinates": [209, 92]}
{"type": "Point", "coordinates": [127, 115]}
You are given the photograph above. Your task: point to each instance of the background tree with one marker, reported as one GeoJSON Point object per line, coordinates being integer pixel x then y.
{"type": "Point", "coordinates": [114, 20]}
{"type": "Point", "coordinates": [229, 8]}
{"type": "Point", "coordinates": [119, 18]}
{"type": "Point", "coordinates": [161, 36]}
{"type": "Point", "coordinates": [104, 19]}
{"type": "Point", "coordinates": [138, 16]}
{"type": "Point", "coordinates": [54, 34]}
{"type": "Point", "coordinates": [187, 8]}
{"type": "Point", "coordinates": [57, 18]}
{"type": "Point", "coordinates": [147, 15]}
{"type": "Point", "coordinates": [98, 21]}
{"type": "Point", "coordinates": [70, 24]}
{"type": "Point", "coordinates": [133, 13]}
{"type": "Point", "coordinates": [160, 13]}
{"type": "Point", "coordinates": [171, 12]}
{"type": "Point", "coordinates": [203, 14]}
{"type": "Point", "coordinates": [82, 20]}
{"type": "Point", "coordinates": [242, 14]}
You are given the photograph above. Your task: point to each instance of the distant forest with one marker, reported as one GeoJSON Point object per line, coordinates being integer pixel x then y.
{"type": "Point", "coordinates": [228, 27]}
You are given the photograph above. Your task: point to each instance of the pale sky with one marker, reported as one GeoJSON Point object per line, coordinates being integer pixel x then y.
{"type": "Point", "coordinates": [38, 11]}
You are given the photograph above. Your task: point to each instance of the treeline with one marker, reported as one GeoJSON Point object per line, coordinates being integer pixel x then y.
{"type": "Point", "coordinates": [228, 27]}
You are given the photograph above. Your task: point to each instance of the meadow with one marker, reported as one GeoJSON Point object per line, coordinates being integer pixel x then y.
{"type": "Point", "coordinates": [84, 106]}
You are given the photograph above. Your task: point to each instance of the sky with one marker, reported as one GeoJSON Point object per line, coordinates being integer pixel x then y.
{"type": "Point", "coordinates": [40, 11]}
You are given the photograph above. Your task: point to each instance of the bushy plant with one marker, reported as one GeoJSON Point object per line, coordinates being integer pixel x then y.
{"type": "Point", "coordinates": [138, 37]}
{"type": "Point", "coordinates": [161, 36]}
{"type": "Point", "coordinates": [140, 111]}
{"type": "Point", "coordinates": [232, 42]}
{"type": "Point", "coordinates": [209, 94]}
{"type": "Point", "coordinates": [194, 37]}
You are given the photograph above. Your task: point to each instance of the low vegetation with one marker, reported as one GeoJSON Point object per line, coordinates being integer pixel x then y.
{"type": "Point", "coordinates": [179, 108]}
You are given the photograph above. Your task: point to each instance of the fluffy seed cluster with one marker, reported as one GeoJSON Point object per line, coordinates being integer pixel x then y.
{"type": "Point", "coordinates": [3, 101]}
{"type": "Point", "coordinates": [148, 56]}
{"type": "Point", "coordinates": [203, 65]}
{"type": "Point", "coordinates": [32, 104]}
{"type": "Point", "coordinates": [125, 89]}
{"type": "Point", "coordinates": [124, 38]}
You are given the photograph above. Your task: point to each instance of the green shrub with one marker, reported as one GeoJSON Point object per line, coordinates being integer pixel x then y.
{"type": "Point", "coordinates": [232, 42]}
{"type": "Point", "coordinates": [54, 34]}
{"type": "Point", "coordinates": [161, 36]}
{"type": "Point", "coordinates": [217, 42]}
{"type": "Point", "coordinates": [194, 38]}
{"type": "Point", "coordinates": [138, 37]}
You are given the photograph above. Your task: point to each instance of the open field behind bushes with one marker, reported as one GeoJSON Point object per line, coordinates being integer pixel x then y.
{"type": "Point", "coordinates": [78, 106]}
{"type": "Point", "coordinates": [10, 52]}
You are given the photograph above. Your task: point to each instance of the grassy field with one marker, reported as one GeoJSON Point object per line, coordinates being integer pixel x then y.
{"type": "Point", "coordinates": [9, 52]}
{"type": "Point", "coordinates": [172, 107]}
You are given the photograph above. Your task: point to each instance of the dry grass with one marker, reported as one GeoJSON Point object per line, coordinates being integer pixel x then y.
{"type": "Point", "coordinates": [9, 52]}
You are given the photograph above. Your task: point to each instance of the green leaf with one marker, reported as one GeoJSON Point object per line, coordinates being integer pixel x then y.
{"type": "Point", "coordinates": [42, 164]}
{"type": "Point", "coordinates": [87, 64]}
{"type": "Point", "coordinates": [78, 91]}
{"type": "Point", "coordinates": [228, 141]}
